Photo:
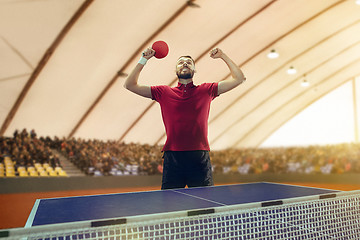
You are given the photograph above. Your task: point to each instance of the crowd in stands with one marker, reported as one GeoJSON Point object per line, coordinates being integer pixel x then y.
{"type": "Point", "coordinates": [104, 158]}
{"type": "Point", "coordinates": [25, 150]}
{"type": "Point", "coordinates": [95, 157]}
{"type": "Point", "coordinates": [340, 158]}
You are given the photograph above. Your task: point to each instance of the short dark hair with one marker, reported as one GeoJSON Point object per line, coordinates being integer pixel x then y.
{"type": "Point", "coordinates": [187, 56]}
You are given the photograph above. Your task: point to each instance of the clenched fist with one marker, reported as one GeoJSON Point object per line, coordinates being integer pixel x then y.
{"type": "Point", "coordinates": [216, 53]}
{"type": "Point", "coordinates": [148, 53]}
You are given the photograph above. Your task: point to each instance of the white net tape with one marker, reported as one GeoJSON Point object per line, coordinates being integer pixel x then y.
{"type": "Point", "coordinates": [330, 218]}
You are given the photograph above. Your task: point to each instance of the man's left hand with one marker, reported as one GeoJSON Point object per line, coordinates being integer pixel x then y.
{"type": "Point", "coordinates": [216, 53]}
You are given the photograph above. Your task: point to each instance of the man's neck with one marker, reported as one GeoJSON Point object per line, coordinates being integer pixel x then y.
{"type": "Point", "coordinates": [185, 81]}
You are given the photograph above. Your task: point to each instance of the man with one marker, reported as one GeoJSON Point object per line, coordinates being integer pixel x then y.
{"type": "Point", "coordinates": [185, 112]}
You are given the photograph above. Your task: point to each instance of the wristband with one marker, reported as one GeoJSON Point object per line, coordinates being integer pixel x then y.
{"type": "Point", "coordinates": [142, 60]}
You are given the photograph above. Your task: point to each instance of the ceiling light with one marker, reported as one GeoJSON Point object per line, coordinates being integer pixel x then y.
{"type": "Point", "coordinates": [273, 54]}
{"type": "Point", "coordinates": [305, 83]}
{"type": "Point", "coordinates": [291, 70]}
{"type": "Point", "coordinates": [357, 2]}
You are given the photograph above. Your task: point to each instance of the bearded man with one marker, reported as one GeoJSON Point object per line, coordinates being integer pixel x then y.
{"type": "Point", "coordinates": [185, 112]}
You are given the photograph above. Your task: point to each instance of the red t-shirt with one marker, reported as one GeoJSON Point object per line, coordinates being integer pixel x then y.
{"type": "Point", "coordinates": [185, 112]}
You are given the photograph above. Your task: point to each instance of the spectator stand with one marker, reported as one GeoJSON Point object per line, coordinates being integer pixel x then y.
{"type": "Point", "coordinates": [26, 155]}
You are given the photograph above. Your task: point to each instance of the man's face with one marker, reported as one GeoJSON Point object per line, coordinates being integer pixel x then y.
{"type": "Point", "coordinates": [185, 68]}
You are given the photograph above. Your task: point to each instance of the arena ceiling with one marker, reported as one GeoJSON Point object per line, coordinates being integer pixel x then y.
{"type": "Point", "coordinates": [63, 63]}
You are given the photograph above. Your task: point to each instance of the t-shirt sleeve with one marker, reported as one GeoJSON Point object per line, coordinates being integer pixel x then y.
{"type": "Point", "coordinates": [213, 90]}
{"type": "Point", "coordinates": [156, 92]}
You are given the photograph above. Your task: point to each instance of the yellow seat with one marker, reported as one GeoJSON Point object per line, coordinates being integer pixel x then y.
{"type": "Point", "coordinates": [10, 171]}
{"type": "Point", "coordinates": [23, 174]}
{"type": "Point", "coordinates": [30, 169]}
{"type": "Point", "coordinates": [21, 169]}
{"type": "Point", "coordinates": [43, 174]}
{"type": "Point", "coordinates": [10, 174]}
{"type": "Point", "coordinates": [38, 167]}
{"type": "Point", "coordinates": [10, 168]}
{"type": "Point", "coordinates": [7, 160]}
{"type": "Point", "coordinates": [33, 174]}
{"type": "Point", "coordinates": [52, 173]}
{"type": "Point", "coordinates": [9, 165]}
{"type": "Point", "coordinates": [62, 173]}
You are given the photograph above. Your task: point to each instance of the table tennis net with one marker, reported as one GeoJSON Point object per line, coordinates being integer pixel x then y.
{"type": "Point", "coordinates": [332, 216]}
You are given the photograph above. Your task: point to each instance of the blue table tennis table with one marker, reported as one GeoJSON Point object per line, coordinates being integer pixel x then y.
{"type": "Point", "coordinates": [112, 209]}
{"type": "Point", "coordinates": [96, 207]}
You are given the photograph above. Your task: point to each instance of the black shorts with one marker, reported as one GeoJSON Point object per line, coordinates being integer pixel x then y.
{"type": "Point", "coordinates": [186, 168]}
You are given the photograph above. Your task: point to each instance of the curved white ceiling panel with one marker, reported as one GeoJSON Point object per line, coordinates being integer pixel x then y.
{"type": "Point", "coordinates": [64, 63]}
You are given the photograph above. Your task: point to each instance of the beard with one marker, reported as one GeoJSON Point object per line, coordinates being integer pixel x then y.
{"type": "Point", "coordinates": [187, 75]}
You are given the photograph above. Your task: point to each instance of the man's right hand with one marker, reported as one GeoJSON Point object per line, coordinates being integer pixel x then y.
{"type": "Point", "coordinates": [148, 53]}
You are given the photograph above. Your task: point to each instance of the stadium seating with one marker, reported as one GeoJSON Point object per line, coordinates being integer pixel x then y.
{"type": "Point", "coordinates": [7, 169]}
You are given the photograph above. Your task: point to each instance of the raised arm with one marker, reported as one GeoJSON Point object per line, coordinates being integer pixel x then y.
{"type": "Point", "coordinates": [236, 73]}
{"type": "Point", "coordinates": [131, 82]}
